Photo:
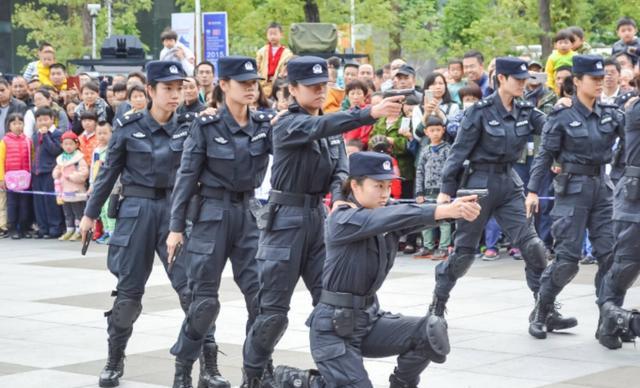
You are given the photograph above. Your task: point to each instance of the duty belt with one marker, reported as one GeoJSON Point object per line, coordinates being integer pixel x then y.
{"type": "Point", "coordinates": [632, 172]}
{"type": "Point", "coordinates": [492, 167]}
{"type": "Point", "coordinates": [220, 193]}
{"type": "Point", "coordinates": [145, 192]}
{"type": "Point", "coordinates": [430, 192]}
{"type": "Point", "coordinates": [294, 199]}
{"type": "Point", "coordinates": [343, 299]}
{"type": "Point", "coordinates": [582, 169]}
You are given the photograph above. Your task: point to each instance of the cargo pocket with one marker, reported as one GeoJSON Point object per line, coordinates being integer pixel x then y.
{"type": "Point", "coordinates": [209, 219]}
{"type": "Point", "coordinates": [125, 224]}
{"type": "Point", "coordinates": [328, 352]}
{"type": "Point", "coordinates": [273, 264]}
{"type": "Point", "coordinates": [562, 216]}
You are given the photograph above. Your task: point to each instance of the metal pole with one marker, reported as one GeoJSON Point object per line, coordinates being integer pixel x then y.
{"type": "Point", "coordinates": [93, 39]}
{"type": "Point", "coordinates": [198, 48]}
{"type": "Point", "coordinates": [353, 23]}
{"type": "Point", "coordinates": [109, 20]}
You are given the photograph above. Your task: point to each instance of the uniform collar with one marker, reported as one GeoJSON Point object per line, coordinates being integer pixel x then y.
{"type": "Point", "coordinates": [233, 125]}
{"type": "Point", "coordinates": [583, 110]}
{"type": "Point", "coordinates": [153, 126]}
{"type": "Point", "coordinates": [502, 110]}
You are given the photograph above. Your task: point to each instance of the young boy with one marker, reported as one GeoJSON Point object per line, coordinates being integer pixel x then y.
{"type": "Point", "coordinates": [103, 135]}
{"type": "Point", "coordinates": [47, 148]}
{"type": "Point", "coordinates": [455, 72]}
{"type": "Point", "coordinates": [628, 43]}
{"type": "Point", "coordinates": [272, 57]}
{"type": "Point", "coordinates": [561, 56]}
{"type": "Point", "coordinates": [175, 51]}
{"type": "Point", "coordinates": [428, 181]}
{"type": "Point", "coordinates": [40, 69]}
{"type": "Point", "coordinates": [88, 139]}
{"type": "Point", "coordinates": [580, 46]}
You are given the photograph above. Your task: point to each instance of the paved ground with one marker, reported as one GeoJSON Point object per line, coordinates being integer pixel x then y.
{"type": "Point", "coordinates": [52, 332]}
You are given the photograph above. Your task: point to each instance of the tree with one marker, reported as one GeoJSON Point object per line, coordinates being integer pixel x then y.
{"type": "Point", "coordinates": [544, 11]}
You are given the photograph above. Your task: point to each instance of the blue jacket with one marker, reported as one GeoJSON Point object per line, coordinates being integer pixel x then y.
{"type": "Point", "coordinates": [47, 149]}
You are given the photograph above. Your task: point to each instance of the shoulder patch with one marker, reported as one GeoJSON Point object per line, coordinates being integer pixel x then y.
{"type": "Point", "coordinates": [129, 118]}
{"type": "Point", "coordinates": [263, 116]}
{"type": "Point", "coordinates": [484, 102]}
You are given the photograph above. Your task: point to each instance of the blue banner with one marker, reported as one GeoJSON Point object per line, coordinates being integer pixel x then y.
{"type": "Point", "coordinates": [216, 36]}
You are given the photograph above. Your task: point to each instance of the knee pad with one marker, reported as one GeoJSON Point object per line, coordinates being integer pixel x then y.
{"type": "Point", "coordinates": [125, 312]}
{"type": "Point", "coordinates": [534, 253]}
{"type": "Point", "coordinates": [202, 313]}
{"type": "Point", "coordinates": [434, 343]}
{"type": "Point", "coordinates": [625, 273]}
{"type": "Point", "coordinates": [563, 272]}
{"type": "Point", "coordinates": [460, 263]}
{"type": "Point", "coordinates": [267, 331]}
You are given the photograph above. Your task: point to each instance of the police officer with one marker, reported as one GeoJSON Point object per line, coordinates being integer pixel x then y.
{"type": "Point", "coordinates": [225, 159]}
{"type": "Point", "coordinates": [492, 137]}
{"type": "Point", "coordinates": [362, 242]}
{"type": "Point", "coordinates": [581, 139]}
{"type": "Point", "coordinates": [309, 161]}
{"type": "Point", "coordinates": [145, 152]}
{"type": "Point", "coordinates": [626, 226]}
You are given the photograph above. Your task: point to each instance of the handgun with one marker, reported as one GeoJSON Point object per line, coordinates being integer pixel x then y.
{"type": "Point", "coordinates": [398, 92]}
{"type": "Point", "coordinates": [481, 193]}
{"type": "Point", "coordinates": [176, 253]}
{"type": "Point", "coordinates": [87, 241]}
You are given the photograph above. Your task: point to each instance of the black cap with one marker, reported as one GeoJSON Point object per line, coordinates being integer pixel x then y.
{"type": "Point", "coordinates": [237, 68]}
{"type": "Point", "coordinates": [165, 71]}
{"type": "Point", "coordinates": [351, 64]}
{"type": "Point", "coordinates": [513, 67]}
{"type": "Point", "coordinates": [588, 64]}
{"type": "Point", "coordinates": [406, 70]}
{"type": "Point", "coordinates": [374, 165]}
{"type": "Point", "coordinates": [307, 70]}
{"type": "Point", "coordinates": [535, 63]}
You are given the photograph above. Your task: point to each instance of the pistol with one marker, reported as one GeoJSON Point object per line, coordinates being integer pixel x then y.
{"type": "Point", "coordinates": [398, 92]}
{"type": "Point", "coordinates": [176, 253]}
{"type": "Point", "coordinates": [87, 241]}
{"type": "Point", "coordinates": [481, 193]}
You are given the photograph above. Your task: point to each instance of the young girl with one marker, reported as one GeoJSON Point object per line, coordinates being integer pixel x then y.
{"type": "Point", "coordinates": [103, 135]}
{"type": "Point", "coordinates": [15, 155]}
{"type": "Point", "coordinates": [87, 139]}
{"type": "Point", "coordinates": [71, 173]}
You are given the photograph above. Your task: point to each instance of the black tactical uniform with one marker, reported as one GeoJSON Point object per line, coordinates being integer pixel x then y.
{"type": "Point", "coordinates": [348, 323]}
{"type": "Point", "coordinates": [145, 155]}
{"type": "Point", "coordinates": [581, 139]}
{"type": "Point", "coordinates": [225, 162]}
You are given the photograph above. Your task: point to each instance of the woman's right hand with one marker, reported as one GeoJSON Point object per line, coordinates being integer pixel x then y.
{"type": "Point", "coordinates": [464, 207]}
{"type": "Point", "coordinates": [86, 224]}
{"type": "Point", "coordinates": [173, 240]}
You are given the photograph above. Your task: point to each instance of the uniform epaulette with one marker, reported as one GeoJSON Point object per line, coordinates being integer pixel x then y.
{"type": "Point", "coordinates": [202, 120]}
{"type": "Point", "coordinates": [186, 117]}
{"type": "Point", "coordinates": [484, 102]}
{"type": "Point", "coordinates": [558, 108]}
{"type": "Point", "coordinates": [263, 116]}
{"type": "Point", "coordinates": [524, 104]}
{"type": "Point", "coordinates": [129, 118]}
{"type": "Point", "coordinates": [605, 105]}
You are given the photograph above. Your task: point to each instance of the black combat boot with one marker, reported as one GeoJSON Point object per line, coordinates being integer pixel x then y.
{"type": "Point", "coordinates": [438, 306]}
{"type": "Point", "coordinates": [555, 320]}
{"type": "Point", "coordinates": [537, 326]}
{"type": "Point", "coordinates": [182, 378]}
{"type": "Point", "coordinates": [251, 378]}
{"type": "Point", "coordinates": [210, 376]}
{"type": "Point", "coordinates": [397, 382]}
{"type": "Point", "coordinates": [290, 377]}
{"type": "Point", "coordinates": [614, 323]}
{"type": "Point", "coordinates": [111, 373]}
{"type": "Point", "coordinates": [267, 377]}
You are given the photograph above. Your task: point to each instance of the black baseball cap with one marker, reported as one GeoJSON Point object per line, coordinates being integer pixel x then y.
{"type": "Point", "coordinates": [238, 68]}
{"type": "Point", "coordinates": [374, 165]}
{"type": "Point", "coordinates": [165, 71]}
{"type": "Point", "coordinates": [406, 70]}
{"type": "Point", "coordinates": [513, 67]}
{"type": "Point", "coordinates": [307, 70]}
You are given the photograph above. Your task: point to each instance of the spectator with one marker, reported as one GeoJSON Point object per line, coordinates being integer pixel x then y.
{"type": "Point", "coordinates": [15, 155]}
{"type": "Point", "coordinates": [119, 79]}
{"type": "Point", "coordinates": [32, 86]}
{"type": "Point", "coordinates": [365, 72]}
{"type": "Point", "coordinates": [261, 101]}
{"type": "Point", "coordinates": [378, 79]}
{"type": "Point", "coordinates": [469, 95]}
{"type": "Point", "coordinates": [58, 77]}
{"type": "Point", "coordinates": [436, 102]}
{"type": "Point", "coordinates": [473, 66]}
{"type": "Point", "coordinates": [624, 60]}
{"type": "Point", "coordinates": [176, 51]}
{"type": "Point", "coordinates": [405, 78]}
{"type": "Point", "coordinates": [91, 101]}
{"type": "Point", "coordinates": [88, 139]}
{"type": "Point", "coordinates": [43, 99]}
{"type": "Point", "coordinates": [119, 92]}
{"type": "Point", "coordinates": [428, 182]}
{"type": "Point", "coordinates": [580, 46]}
{"type": "Point", "coordinates": [335, 94]}
{"type": "Point", "coordinates": [280, 96]}
{"type": "Point", "coordinates": [8, 104]}
{"type": "Point", "coordinates": [272, 57]}
{"type": "Point", "coordinates": [110, 96]}
{"type": "Point", "coordinates": [628, 43]}
{"type": "Point", "coordinates": [70, 177]}
{"type": "Point", "coordinates": [357, 92]}
{"type": "Point", "coordinates": [84, 79]}
{"type": "Point", "coordinates": [353, 146]}
{"type": "Point", "coordinates": [40, 68]}
{"type": "Point", "coordinates": [455, 71]}
{"type": "Point", "coordinates": [626, 80]}
{"type": "Point", "coordinates": [191, 103]}
{"type": "Point", "coordinates": [47, 147]}
{"type": "Point", "coordinates": [611, 87]}
{"type": "Point", "coordinates": [136, 77]}
{"type": "Point", "coordinates": [381, 144]}
{"type": "Point", "coordinates": [70, 109]}
{"type": "Point", "coordinates": [103, 135]}
{"type": "Point", "coordinates": [204, 73]}
{"type": "Point", "coordinates": [562, 73]}
{"type": "Point", "coordinates": [20, 90]}
{"type": "Point", "coordinates": [536, 91]}
{"type": "Point", "coordinates": [350, 75]}
{"type": "Point", "coordinates": [567, 87]}
{"type": "Point", "coordinates": [137, 98]}
{"type": "Point", "coordinates": [561, 56]}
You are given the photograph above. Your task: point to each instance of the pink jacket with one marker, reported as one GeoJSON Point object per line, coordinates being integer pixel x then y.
{"type": "Point", "coordinates": [72, 175]}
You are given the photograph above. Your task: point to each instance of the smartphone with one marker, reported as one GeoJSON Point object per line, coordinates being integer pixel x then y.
{"type": "Point", "coordinates": [428, 96]}
{"type": "Point", "coordinates": [73, 82]}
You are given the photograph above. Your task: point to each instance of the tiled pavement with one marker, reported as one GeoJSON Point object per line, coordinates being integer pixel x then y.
{"type": "Point", "coordinates": [52, 332]}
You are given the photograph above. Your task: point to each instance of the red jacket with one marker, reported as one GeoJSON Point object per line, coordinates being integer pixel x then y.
{"type": "Point", "coordinates": [17, 152]}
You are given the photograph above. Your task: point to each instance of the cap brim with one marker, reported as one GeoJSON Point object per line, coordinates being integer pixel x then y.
{"type": "Point", "coordinates": [171, 78]}
{"type": "Point", "coordinates": [314, 81]}
{"type": "Point", "coordinates": [246, 77]}
{"type": "Point", "coordinates": [405, 73]}
{"type": "Point", "coordinates": [521, 75]}
{"type": "Point", "coordinates": [597, 73]}
{"type": "Point", "coordinates": [384, 177]}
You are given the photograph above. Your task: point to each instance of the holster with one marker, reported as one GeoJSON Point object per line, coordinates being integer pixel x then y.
{"type": "Point", "coordinates": [265, 216]}
{"type": "Point", "coordinates": [343, 321]}
{"type": "Point", "coordinates": [631, 188]}
{"type": "Point", "coordinates": [466, 173]}
{"type": "Point", "coordinates": [193, 208]}
{"type": "Point", "coordinates": [561, 183]}
{"type": "Point", "coordinates": [114, 206]}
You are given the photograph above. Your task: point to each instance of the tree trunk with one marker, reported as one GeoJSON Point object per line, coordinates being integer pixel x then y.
{"type": "Point", "coordinates": [86, 25]}
{"type": "Point", "coordinates": [395, 35]}
{"type": "Point", "coordinates": [544, 10]}
{"type": "Point", "coordinates": [311, 11]}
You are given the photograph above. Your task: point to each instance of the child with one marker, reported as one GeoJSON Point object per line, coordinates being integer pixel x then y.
{"type": "Point", "coordinates": [103, 135]}
{"type": "Point", "coordinates": [46, 142]}
{"type": "Point", "coordinates": [628, 43]}
{"type": "Point", "coordinates": [455, 72]}
{"type": "Point", "coordinates": [272, 57]}
{"type": "Point", "coordinates": [428, 181]}
{"type": "Point", "coordinates": [70, 174]}
{"type": "Point", "coordinates": [381, 143]}
{"type": "Point", "coordinates": [561, 56]}
{"type": "Point", "coordinates": [40, 68]}
{"type": "Point", "coordinates": [137, 97]}
{"type": "Point", "coordinates": [280, 96]}
{"type": "Point", "coordinates": [580, 46]}
{"type": "Point", "coordinates": [91, 101]}
{"type": "Point", "coordinates": [15, 155]}
{"type": "Point", "coordinates": [357, 93]}
{"type": "Point", "coordinates": [469, 95]}
{"type": "Point", "coordinates": [87, 139]}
